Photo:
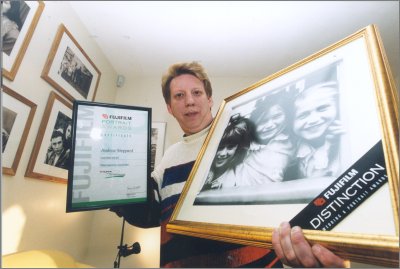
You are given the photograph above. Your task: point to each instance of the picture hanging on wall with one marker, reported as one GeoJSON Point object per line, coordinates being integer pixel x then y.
{"type": "Point", "coordinates": [69, 69]}
{"type": "Point", "coordinates": [50, 158]}
{"type": "Point", "coordinates": [157, 143]}
{"type": "Point", "coordinates": [18, 22]}
{"type": "Point", "coordinates": [18, 114]}
{"type": "Point", "coordinates": [315, 144]}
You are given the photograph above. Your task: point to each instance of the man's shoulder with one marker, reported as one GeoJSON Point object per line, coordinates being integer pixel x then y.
{"type": "Point", "coordinates": [173, 149]}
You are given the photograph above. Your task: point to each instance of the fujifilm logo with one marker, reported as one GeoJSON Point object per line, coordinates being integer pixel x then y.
{"type": "Point", "coordinates": [114, 117]}
{"type": "Point", "coordinates": [346, 196]}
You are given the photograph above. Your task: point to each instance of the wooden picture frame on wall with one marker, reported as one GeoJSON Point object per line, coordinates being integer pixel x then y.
{"type": "Point", "coordinates": [69, 69]}
{"type": "Point", "coordinates": [232, 210]}
{"type": "Point", "coordinates": [18, 113]}
{"type": "Point", "coordinates": [20, 26]}
{"type": "Point", "coordinates": [54, 132]}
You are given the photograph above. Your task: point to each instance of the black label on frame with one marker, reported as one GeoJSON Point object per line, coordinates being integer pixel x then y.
{"type": "Point", "coordinates": [346, 193]}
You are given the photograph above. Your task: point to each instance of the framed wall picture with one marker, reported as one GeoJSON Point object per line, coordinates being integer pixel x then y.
{"type": "Point", "coordinates": [321, 133]}
{"type": "Point", "coordinates": [18, 113]}
{"type": "Point", "coordinates": [157, 142]}
{"type": "Point", "coordinates": [69, 69]}
{"type": "Point", "coordinates": [19, 20]}
{"type": "Point", "coordinates": [50, 158]}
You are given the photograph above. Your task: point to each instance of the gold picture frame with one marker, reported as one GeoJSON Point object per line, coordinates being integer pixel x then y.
{"type": "Point", "coordinates": [57, 117]}
{"type": "Point", "coordinates": [18, 113]}
{"type": "Point", "coordinates": [15, 46]}
{"type": "Point", "coordinates": [249, 214]}
{"type": "Point", "coordinates": [69, 69]}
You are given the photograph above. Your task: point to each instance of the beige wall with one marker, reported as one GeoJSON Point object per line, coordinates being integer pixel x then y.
{"type": "Point", "coordinates": [33, 210]}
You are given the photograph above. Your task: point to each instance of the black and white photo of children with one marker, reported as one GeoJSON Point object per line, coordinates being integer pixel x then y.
{"type": "Point", "coordinates": [290, 133]}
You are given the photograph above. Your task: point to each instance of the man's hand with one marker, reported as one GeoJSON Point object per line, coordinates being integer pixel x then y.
{"type": "Point", "coordinates": [293, 249]}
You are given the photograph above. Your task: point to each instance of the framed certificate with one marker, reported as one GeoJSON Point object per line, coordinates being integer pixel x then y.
{"type": "Point", "coordinates": [321, 133]}
{"type": "Point", "coordinates": [110, 156]}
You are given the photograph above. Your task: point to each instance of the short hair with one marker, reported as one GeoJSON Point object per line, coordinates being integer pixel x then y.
{"type": "Point", "coordinates": [175, 70]}
{"type": "Point", "coordinates": [57, 133]}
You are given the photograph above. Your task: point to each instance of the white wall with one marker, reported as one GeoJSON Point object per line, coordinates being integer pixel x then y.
{"type": "Point", "coordinates": [33, 210]}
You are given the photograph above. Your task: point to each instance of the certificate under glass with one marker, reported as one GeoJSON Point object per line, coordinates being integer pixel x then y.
{"type": "Point", "coordinates": [110, 156]}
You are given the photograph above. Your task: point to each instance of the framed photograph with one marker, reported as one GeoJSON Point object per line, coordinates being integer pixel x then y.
{"type": "Point", "coordinates": [314, 134]}
{"type": "Point", "coordinates": [18, 113]}
{"type": "Point", "coordinates": [19, 20]}
{"type": "Point", "coordinates": [157, 143]}
{"type": "Point", "coordinates": [51, 155]}
{"type": "Point", "coordinates": [69, 69]}
{"type": "Point", "coordinates": [110, 156]}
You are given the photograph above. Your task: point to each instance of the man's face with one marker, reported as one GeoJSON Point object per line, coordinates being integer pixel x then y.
{"type": "Point", "coordinates": [57, 144]}
{"type": "Point", "coordinates": [271, 123]}
{"type": "Point", "coordinates": [189, 103]}
{"type": "Point", "coordinates": [314, 114]}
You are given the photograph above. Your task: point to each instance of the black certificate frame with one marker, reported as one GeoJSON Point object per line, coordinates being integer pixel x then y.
{"type": "Point", "coordinates": [117, 127]}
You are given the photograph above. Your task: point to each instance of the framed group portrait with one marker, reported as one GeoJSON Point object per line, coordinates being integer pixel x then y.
{"type": "Point", "coordinates": [321, 133]}
{"type": "Point", "coordinates": [18, 113]}
{"type": "Point", "coordinates": [19, 20]}
{"type": "Point", "coordinates": [51, 155]}
{"type": "Point", "coordinates": [69, 69]}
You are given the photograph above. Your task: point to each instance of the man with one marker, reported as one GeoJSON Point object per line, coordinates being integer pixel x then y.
{"type": "Point", "coordinates": [57, 155]}
{"type": "Point", "coordinates": [188, 94]}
